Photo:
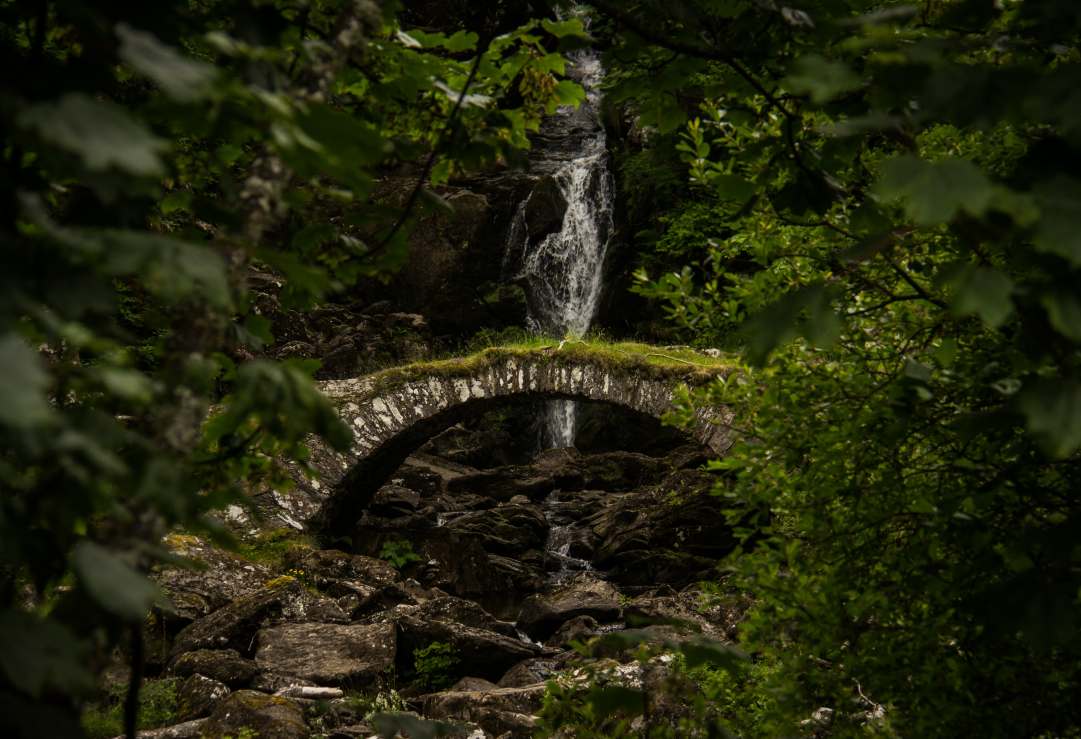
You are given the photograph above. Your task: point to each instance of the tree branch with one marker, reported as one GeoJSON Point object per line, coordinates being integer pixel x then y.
{"type": "Point", "coordinates": [414, 195]}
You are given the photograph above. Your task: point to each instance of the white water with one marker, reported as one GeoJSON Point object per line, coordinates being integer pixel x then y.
{"type": "Point", "coordinates": [565, 270]}
{"type": "Point", "coordinates": [563, 532]}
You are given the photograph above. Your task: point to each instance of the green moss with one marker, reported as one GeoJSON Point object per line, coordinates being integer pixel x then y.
{"type": "Point", "coordinates": [157, 708]}
{"type": "Point", "coordinates": [271, 547]}
{"type": "Point", "coordinates": [682, 364]}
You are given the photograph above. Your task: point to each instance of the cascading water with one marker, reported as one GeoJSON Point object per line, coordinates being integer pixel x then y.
{"type": "Point", "coordinates": [564, 271]}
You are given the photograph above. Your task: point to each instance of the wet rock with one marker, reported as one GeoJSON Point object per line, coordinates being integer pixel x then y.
{"type": "Point", "coordinates": [531, 672]}
{"type": "Point", "coordinates": [503, 711]}
{"type": "Point", "coordinates": [268, 716]}
{"type": "Point", "coordinates": [579, 628]}
{"type": "Point", "coordinates": [197, 697]}
{"type": "Point", "coordinates": [393, 499]}
{"type": "Point", "coordinates": [503, 483]}
{"type": "Point", "coordinates": [544, 209]}
{"type": "Point", "coordinates": [543, 613]}
{"type": "Point", "coordinates": [327, 654]}
{"type": "Point", "coordinates": [508, 529]}
{"type": "Point", "coordinates": [673, 533]}
{"type": "Point", "coordinates": [224, 665]}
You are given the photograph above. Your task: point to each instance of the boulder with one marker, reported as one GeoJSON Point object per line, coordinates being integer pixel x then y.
{"type": "Point", "coordinates": [222, 665]}
{"type": "Point", "coordinates": [478, 652]}
{"type": "Point", "coordinates": [234, 624]}
{"type": "Point", "coordinates": [531, 672]}
{"type": "Point", "coordinates": [672, 533]}
{"type": "Point", "coordinates": [509, 712]}
{"type": "Point", "coordinates": [449, 609]}
{"type": "Point", "coordinates": [327, 654]}
{"type": "Point", "coordinates": [186, 730]}
{"type": "Point", "coordinates": [508, 529]}
{"type": "Point", "coordinates": [543, 613]}
{"type": "Point", "coordinates": [475, 684]}
{"type": "Point", "coordinates": [268, 716]}
{"type": "Point", "coordinates": [197, 697]}
{"type": "Point", "coordinates": [579, 628]}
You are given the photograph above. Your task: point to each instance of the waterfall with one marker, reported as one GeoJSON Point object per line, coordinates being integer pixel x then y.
{"type": "Point", "coordinates": [563, 272]}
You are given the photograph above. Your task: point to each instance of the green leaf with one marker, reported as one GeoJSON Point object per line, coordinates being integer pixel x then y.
{"type": "Point", "coordinates": [101, 133]}
{"type": "Point", "coordinates": [1059, 228]}
{"type": "Point", "coordinates": [462, 41]}
{"type": "Point", "coordinates": [1064, 311]}
{"type": "Point", "coordinates": [568, 92]}
{"type": "Point", "coordinates": [170, 268]}
{"type": "Point", "coordinates": [112, 582]}
{"type": "Point", "coordinates": [176, 200]}
{"type": "Point", "coordinates": [179, 77]}
{"type": "Point", "coordinates": [984, 292]}
{"type": "Point", "coordinates": [821, 78]}
{"type": "Point", "coordinates": [569, 27]}
{"type": "Point", "coordinates": [37, 655]}
{"type": "Point", "coordinates": [23, 384]}
{"type": "Point", "coordinates": [732, 187]}
{"type": "Point", "coordinates": [617, 698]}
{"type": "Point", "coordinates": [714, 653]}
{"type": "Point", "coordinates": [1053, 411]}
{"type": "Point", "coordinates": [127, 383]}
{"type": "Point", "coordinates": [934, 193]}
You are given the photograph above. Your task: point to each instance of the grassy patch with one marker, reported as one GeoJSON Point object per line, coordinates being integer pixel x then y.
{"type": "Point", "coordinates": [270, 547]}
{"type": "Point", "coordinates": [677, 364]}
{"type": "Point", "coordinates": [157, 708]}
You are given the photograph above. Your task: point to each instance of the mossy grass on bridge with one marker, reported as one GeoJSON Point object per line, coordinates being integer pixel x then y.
{"type": "Point", "coordinates": [653, 362]}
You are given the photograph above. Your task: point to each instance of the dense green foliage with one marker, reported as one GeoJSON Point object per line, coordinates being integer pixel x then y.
{"type": "Point", "coordinates": [883, 208]}
{"type": "Point", "coordinates": [878, 201]}
{"type": "Point", "coordinates": [158, 156]}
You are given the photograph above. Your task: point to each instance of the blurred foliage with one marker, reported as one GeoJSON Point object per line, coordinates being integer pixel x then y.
{"type": "Point", "coordinates": [157, 155]}
{"type": "Point", "coordinates": [883, 206]}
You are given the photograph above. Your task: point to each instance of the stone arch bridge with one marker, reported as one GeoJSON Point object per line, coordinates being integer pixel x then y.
{"type": "Point", "coordinates": [395, 411]}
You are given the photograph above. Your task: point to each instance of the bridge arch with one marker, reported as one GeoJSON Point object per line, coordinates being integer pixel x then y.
{"type": "Point", "coordinates": [393, 412]}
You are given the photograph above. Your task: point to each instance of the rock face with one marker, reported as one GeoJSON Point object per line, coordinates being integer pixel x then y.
{"type": "Point", "coordinates": [328, 654]}
{"type": "Point", "coordinates": [544, 613]}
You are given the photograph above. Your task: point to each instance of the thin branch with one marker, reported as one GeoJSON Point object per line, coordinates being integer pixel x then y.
{"type": "Point", "coordinates": [414, 195]}
{"type": "Point", "coordinates": [135, 681]}
{"type": "Point", "coordinates": [697, 50]}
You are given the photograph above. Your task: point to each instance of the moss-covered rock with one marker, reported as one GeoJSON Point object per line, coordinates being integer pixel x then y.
{"type": "Point", "coordinates": [264, 716]}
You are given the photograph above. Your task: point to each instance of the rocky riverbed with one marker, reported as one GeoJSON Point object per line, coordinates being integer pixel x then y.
{"type": "Point", "coordinates": [467, 584]}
